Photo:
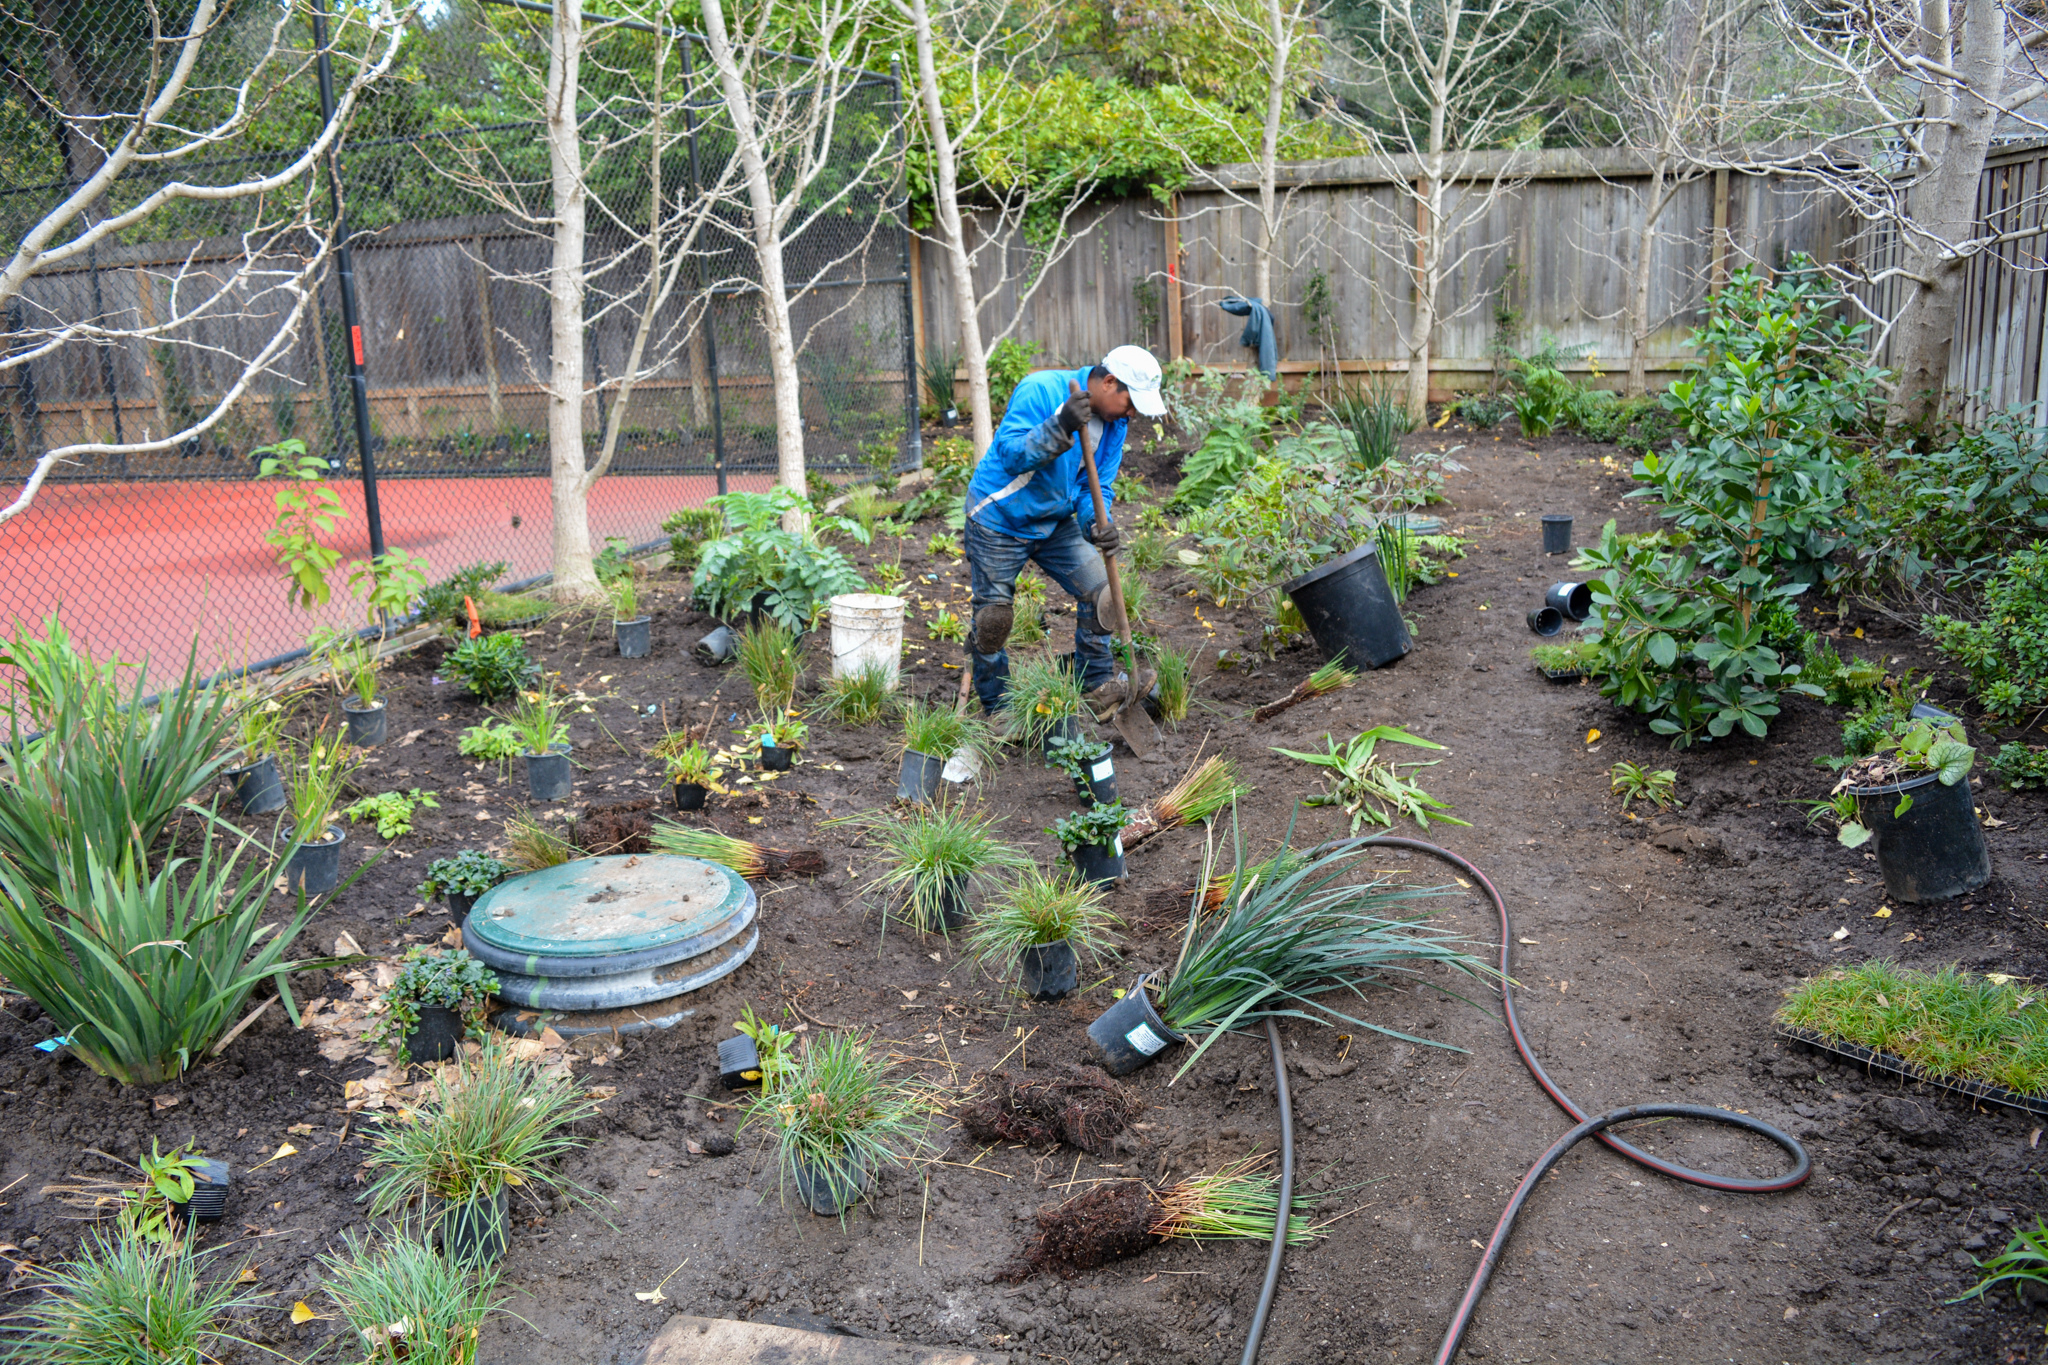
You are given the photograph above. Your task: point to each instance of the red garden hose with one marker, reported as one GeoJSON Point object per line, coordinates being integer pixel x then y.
{"type": "Point", "coordinates": [1594, 1126]}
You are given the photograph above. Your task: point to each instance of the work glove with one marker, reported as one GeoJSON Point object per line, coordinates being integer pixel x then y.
{"type": "Point", "coordinates": [1075, 412]}
{"type": "Point", "coordinates": [1103, 536]}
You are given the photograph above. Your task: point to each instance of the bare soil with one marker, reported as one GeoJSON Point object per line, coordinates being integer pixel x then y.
{"type": "Point", "coordinates": [1651, 954]}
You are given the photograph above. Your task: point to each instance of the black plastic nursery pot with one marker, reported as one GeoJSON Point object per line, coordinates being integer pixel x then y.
{"type": "Point", "coordinates": [1574, 600]}
{"type": "Point", "coordinates": [1557, 533]}
{"type": "Point", "coordinates": [367, 725]}
{"type": "Point", "coordinates": [1130, 1033]}
{"type": "Point", "coordinates": [458, 904]}
{"type": "Point", "coordinates": [436, 1037]}
{"type": "Point", "coordinates": [259, 790]}
{"type": "Point", "coordinates": [716, 648]}
{"type": "Point", "coordinates": [1350, 610]}
{"type": "Point", "coordinates": [953, 903]}
{"type": "Point", "coordinates": [1099, 784]}
{"type": "Point", "coordinates": [775, 760]}
{"type": "Point", "coordinates": [1936, 849]}
{"type": "Point", "coordinates": [1066, 727]}
{"type": "Point", "coordinates": [1545, 621]}
{"type": "Point", "coordinates": [315, 868]}
{"type": "Point", "coordinates": [690, 795]}
{"type": "Point", "coordinates": [548, 775]}
{"type": "Point", "coordinates": [830, 1187]}
{"type": "Point", "coordinates": [209, 1201]}
{"type": "Point", "coordinates": [919, 776]}
{"type": "Point", "coordinates": [476, 1231]}
{"type": "Point", "coordinates": [739, 1062]}
{"type": "Point", "coordinates": [1050, 970]}
{"type": "Point", "coordinates": [635, 637]}
{"type": "Point", "coordinates": [1100, 863]}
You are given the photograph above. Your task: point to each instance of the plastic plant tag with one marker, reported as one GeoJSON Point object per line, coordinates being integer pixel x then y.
{"type": "Point", "coordinates": [1103, 770]}
{"type": "Point", "coordinates": [52, 1044]}
{"type": "Point", "coordinates": [1119, 845]}
{"type": "Point", "coordinates": [1145, 1040]}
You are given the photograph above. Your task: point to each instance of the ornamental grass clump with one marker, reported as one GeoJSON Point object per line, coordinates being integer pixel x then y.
{"type": "Point", "coordinates": [932, 856]}
{"type": "Point", "coordinates": [530, 846]}
{"type": "Point", "coordinates": [837, 1118]}
{"type": "Point", "coordinates": [1241, 1200]}
{"type": "Point", "coordinates": [857, 698]}
{"type": "Point", "coordinates": [1282, 939]}
{"type": "Point", "coordinates": [130, 1300]}
{"type": "Point", "coordinates": [940, 731]}
{"type": "Point", "coordinates": [1042, 692]}
{"type": "Point", "coordinates": [768, 657]}
{"type": "Point", "coordinates": [1952, 1025]}
{"type": "Point", "coordinates": [407, 1302]}
{"type": "Point", "coordinates": [1035, 909]}
{"type": "Point", "coordinates": [749, 859]}
{"type": "Point", "coordinates": [1206, 788]}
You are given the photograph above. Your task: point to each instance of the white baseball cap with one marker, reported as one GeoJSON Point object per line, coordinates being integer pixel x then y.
{"type": "Point", "coordinates": [1135, 368]}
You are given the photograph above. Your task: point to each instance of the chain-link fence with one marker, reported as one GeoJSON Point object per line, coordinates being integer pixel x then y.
{"type": "Point", "coordinates": [242, 312]}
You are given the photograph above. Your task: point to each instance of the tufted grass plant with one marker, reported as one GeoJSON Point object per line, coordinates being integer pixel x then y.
{"type": "Point", "coordinates": [928, 853]}
{"type": "Point", "coordinates": [1950, 1023]}
{"type": "Point", "coordinates": [1042, 692]}
{"type": "Point", "coordinates": [861, 697]}
{"type": "Point", "coordinates": [1035, 909]}
{"type": "Point", "coordinates": [435, 1304]}
{"type": "Point", "coordinates": [128, 1300]}
{"type": "Point", "coordinates": [1175, 671]}
{"type": "Point", "coordinates": [836, 1111]}
{"type": "Point", "coordinates": [768, 656]}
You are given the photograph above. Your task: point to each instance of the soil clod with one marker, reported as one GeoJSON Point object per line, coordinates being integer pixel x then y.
{"type": "Point", "coordinates": [1081, 1107]}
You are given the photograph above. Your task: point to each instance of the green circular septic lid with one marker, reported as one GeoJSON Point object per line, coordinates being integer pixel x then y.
{"type": "Point", "coordinates": [606, 907]}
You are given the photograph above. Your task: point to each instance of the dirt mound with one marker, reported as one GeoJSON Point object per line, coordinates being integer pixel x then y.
{"type": "Point", "coordinates": [1081, 1107]}
{"type": "Point", "coordinates": [618, 827]}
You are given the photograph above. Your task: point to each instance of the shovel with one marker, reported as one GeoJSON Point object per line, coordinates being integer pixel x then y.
{"type": "Point", "coordinates": [1130, 720]}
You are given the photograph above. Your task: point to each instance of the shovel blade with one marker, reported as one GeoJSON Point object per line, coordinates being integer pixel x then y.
{"type": "Point", "coordinates": [1135, 725]}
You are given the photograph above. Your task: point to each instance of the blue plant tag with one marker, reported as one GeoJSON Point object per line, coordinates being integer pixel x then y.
{"type": "Point", "coordinates": [52, 1044]}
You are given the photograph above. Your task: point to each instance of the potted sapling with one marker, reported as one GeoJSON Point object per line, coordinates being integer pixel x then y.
{"type": "Point", "coordinates": [837, 1118]}
{"type": "Point", "coordinates": [460, 880]}
{"type": "Point", "coordinates": [543, 744]}
{"type": "Point", "coordinates": [933, 736]}
{"type": "Point", "coordinates": [259, 725]}
{"type": "Point", "coordinates": [1041, 924]}
{"type": "Point", "coordinates": [1093, 838]}
{"type": "Point", "coordinates": [1087, 761]}
{"type": "Point", "coordinates": [692, 776]}
{"type": "Point", "coordinates": [633, 631]}
{"type": "Point", "coordinates": [497, 1123]}
{"type": "Point", "coordinates": [319, 772]}
{"type": "Point", "coordinates": [353, 663]}
{"type": "Point", "coordinates": [437, 999]}
{"type": "Point", "coordinates": [1285, 933]}
{"type": "Point", "coordinates": [779, 737]}
{"type": "Point", "coordinates": [1911, 802]}
{"type": "Point", "coordinates": [933, 858]}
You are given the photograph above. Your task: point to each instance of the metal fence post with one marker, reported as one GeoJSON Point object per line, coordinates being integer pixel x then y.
{"type": "Point", "coordinates": [345, 281]}
{"type": "Point", "coordinates": [914, 443]}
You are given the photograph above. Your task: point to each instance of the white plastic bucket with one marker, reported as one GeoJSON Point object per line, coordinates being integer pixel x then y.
{"type": "Point", "coordinates": [867, 628]}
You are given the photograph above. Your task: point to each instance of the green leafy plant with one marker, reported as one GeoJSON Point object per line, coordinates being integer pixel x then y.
{"type": "Point", "coordinates": [1174, 670]}
{"type": "Point", "coordinates": [2021, 766]}
{"type": "Point", "coordinates": [259, 721]}
{"type": "Point", "coordinates": [404, 1301]}
{"type": "Point", "coordinates": [625, 595]}
{"type": "Point", "coordinates": [1219, 462]}
{"type": "Point", "coordinates": [1095, 827]}
{"type": "Point", "coordinates": [2023, 1263]}
{"type": "Point", "coordinates": [1371, 789]}
{"type": "Point", "coordinates": [313, 784]}
{"type": "Point", "coordinates": [767, 655]}
{"type": "Point", "coordinates": [1282, 943]}
{"type": "Point", "coordinates": [442, 601]}
{"type": "Point", "coordinates": [427, 976]}
{"type": "Point", "coordinates": [1009, 361]}
{"type": "Point", "coordinates": [352, 661]}
{"type": "Point", "coordinates": [861, 697]}
{"type": "Point", "coordinates": [145, 1207]}
{"type": "Point", "coordinates": [307, 509]}
{"type": "Point", "coordinates": [687, 531]}
{"type": "Point", "coordinates": [756, 554]}
{"type": "Point", "coordinates": [469, 873]}
{"type": "Point", "coordinates": [936, 367]}
{"type": "Point", "coordinates": [931, 855]}
{"type": "Point", "coordinates": [944, 547]}
{"type": "Point", "coordinates": [686, 760]}
{"type": "Point", "coordinates": [492, 741]}
{"type": "Point", "coordinates": [775, 1046]}
{"type": "Point", "coordinates": [498, 1121]}
{"type": "Point", "coordinates": [1028, 608]}
{"type": "Point", "coordinates": [2005, 652]}
{"type": "Point", "coordinates": [613, 563]}
{"type": "Point", "coordinates": [530, 846]}
{"type": "Point", "coordinates": [838, 1115]}
{"type": "Point", "coordinates": [1850, 682]}
{"type": "Point", "coordinates": [1036, 909]}
{"type": "Point", "coordinates": [786, 731]}
{"type": "Point", "coordinates": [1952, 1024]}
{"type": "Point", "coordinates": [951, 460]}
{"type": "Point", "coordinates": [1912, 747]}
{"type": "Point", "coordinates": [130, 1301]}
{"type": "Point", "coordinates": [1955, 511]}
{"type": "Point", "coordinates": [388, 584]}
{"type": "Point", "coordinates": [1042, 692]}
{"type": "Point", "coordinates": [392, 810]}
{"type": "Point", "coordinates": [1200, 400]}
{"type": "Point", "coordinates": [536, 717]}
{"type": "Point", "coordinates": [1636, 782]}
{"type": "Point", "coordinates": [944, 625]}
{"type": "Point", "coordinates": [492, 667]}
{"type": "Point", "coordinates": [143, 973]}
{"type": "Point", "coordinates": [1075, 755]}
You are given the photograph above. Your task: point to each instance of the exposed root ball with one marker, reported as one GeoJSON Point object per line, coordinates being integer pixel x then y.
{"type": "Point", "coordinates": [1105, 1224]}
{"type": "Point", "coordinates": [1081, 1107]}
{"type": "Point", "coordinates": [620, 827]}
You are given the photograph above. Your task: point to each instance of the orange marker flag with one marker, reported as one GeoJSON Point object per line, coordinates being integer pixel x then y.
{"type": "Point", "coordinates": [476, 625]}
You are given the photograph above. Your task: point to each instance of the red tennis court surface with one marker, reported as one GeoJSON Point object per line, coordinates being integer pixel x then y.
{"type": "Point", "coordinates": [135, 570]}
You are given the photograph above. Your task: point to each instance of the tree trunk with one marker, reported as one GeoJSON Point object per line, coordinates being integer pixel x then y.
{"type": "Point", "coordinates": [1639, 288]}
{"type": "Point", "coordinates": [1269, 155]}
{"type": "Point", "coordinates": [946, 193]}
{"type": "Point", "coordinates": [1943, 208]}
{"type": "Point", "coordinates": [1422, 320]}
{"type": "Point", "coordinates": [767, 227]}
{"type": "Point", "coordinates": [575, 578]}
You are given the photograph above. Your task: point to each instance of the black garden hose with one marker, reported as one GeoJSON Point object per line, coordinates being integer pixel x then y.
{"type": "Point", "coordinates": [1594, 1126]}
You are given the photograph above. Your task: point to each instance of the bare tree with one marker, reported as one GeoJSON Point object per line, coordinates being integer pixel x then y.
{"type": "Point", "coordinates": [1913, 92]}
{"type": "Point", "coordinates": [790, 122]}
{"type": "Point", "coordinates": [1429, 85]}
{"type": "Point", "coordinates": [193, 97]}
{"type": "Point", "coordinates": [974, 61]}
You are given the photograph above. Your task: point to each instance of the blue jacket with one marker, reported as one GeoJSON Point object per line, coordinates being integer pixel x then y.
{"type": "Point", "coordinates": [1030, 478]}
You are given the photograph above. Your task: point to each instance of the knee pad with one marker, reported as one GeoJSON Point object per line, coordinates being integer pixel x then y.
{"type": "Point", "coordinates": [992, 627]}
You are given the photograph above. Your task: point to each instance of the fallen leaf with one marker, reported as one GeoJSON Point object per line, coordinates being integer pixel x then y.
{"type": "Point", "coordinates": [1592, 736]}
{"type": "Point", "coordinates": [1462, 882]}
{"type": "Point", "coordinates": [695, 1148]}
{"type": "Point", "coordinates": [656, 1296]}
{"type": "Point", "coordinates": [164, 1102]}
{"type": "Point", "coordinates": [912, 995]}
{"type": "Point", "coordinates": [301, 1314]}
{"type": "Point", "coordinates": [1999, 978]}
{"type": "Point", "coordinates": [284, 1150]}
{"type": "Point", "coordinates": [933, 956]}
{"type": "Point", "coordinates": [453, 938]}
{"type": "Point", "coordinates": [1882, 912]}
{"type": "Point", "coordinates": [410, 736]}
{"type": "Point", "coordinates": [1531, 942]}
{"type": "Point", "coordinates": [301, 1130]}
{"type": "Point", "coordinates": [248, 1275]}
{"type": "Point", "coordinates": [601, 1092]}
{"type": "Point", "coordinates": [1993, 822]}
{"type": "Point", "coordinates": [345, 945]}
{"type": "Point", "coordinates": [1910, 937]}
{"type": "Point", "coordinates": [1840, 934]}
{"type": "Point", "coordinates": [551, 1040]}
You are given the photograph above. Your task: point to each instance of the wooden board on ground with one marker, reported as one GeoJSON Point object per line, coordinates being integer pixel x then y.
{"type": "Point", "coordinates": [688, 1340]}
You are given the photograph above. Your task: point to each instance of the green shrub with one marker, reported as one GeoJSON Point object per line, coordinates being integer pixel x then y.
{"type": "Point", "coordinates": [2005, 651]}
{"type": "Point", "coordinates": [687, 531]}
{"type": "Point", "coordinates": [797, 571]}
{"type": "Point", "coordinates": [1957, 510]}
{"type": "Point", "coordinates": [2022, 765]}
{"type": "Point", "coordinates": [442, 602]}
{"type": "Point", "coordinates": [1008, 363]}
{"type": "Point", "coordinates": [492, 666]}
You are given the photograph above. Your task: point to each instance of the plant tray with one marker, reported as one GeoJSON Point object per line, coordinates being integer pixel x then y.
{"type": "Point", "coordinates": [1899, 1066]}
{"type": "Point", "coordinates": [1562, 675]}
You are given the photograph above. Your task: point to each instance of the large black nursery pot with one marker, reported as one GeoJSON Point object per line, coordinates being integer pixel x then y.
{"type": "Point", "coordinates": [691, 795]}
{"type": "Point", "coordinates": [259, 790]}
{"type": "Point", "coordinates": [953, 903]}
{"type": "Point", "coordinates": [919, 776]}
{"type": "Point", "coordinates": [367, 725]}
{"type": "Point", "coordinates": [635, 637]}
{"type": "Point", "coordinates": [1350, 610]}
{"type": "Point", "coordinates": [775, 759]}
{"type": "Point", "coordinates": [1050, 970]}
{"type": "Point", "coordinates": [547, 775]}
{"type": "Point", "coordinates": [1130, 1033]}
{"type": "Point", "coordinates": [209, 1201]}
{"type": "Point", "coordinates": [475, 1231]}
{"type": "Point", "coordinates": [1936, 849]}
{"type": "Point", "coordinates": [437, 1036]}
{"type": "Point", "coordinates": [830, 1187]}
{"type": "Point", "coordinates": [1098, 783]}
{"type": "Point", "coordinates": [1100, 864]}
{"type": "Point", "coordinates": [315, 868]}
{"type": "Point", "coordinates": [1573, 600]}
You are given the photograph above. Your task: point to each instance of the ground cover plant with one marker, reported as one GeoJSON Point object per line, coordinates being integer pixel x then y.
{"type": "Point", "coordinates": [1950, 1023]}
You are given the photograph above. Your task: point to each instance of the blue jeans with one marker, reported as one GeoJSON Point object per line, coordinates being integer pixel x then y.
{"type": "Point", "coordinates": [995, 560]}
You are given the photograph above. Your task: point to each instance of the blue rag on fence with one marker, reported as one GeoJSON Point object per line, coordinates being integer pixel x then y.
{"type": "Point", "coordinates": [1258, 332]}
